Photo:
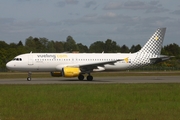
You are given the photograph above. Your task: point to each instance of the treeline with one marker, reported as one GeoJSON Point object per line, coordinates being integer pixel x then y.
{"type": "Point", "coordinates": [43, 45]}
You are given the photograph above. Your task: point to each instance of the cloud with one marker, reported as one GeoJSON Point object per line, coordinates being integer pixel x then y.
{"type": "Point", "coordinates": [72, 2]}
{"type": "Point", "coordinates": [110, 14]}
{"type": "Point", "coordinates": [23, 0]}
{"type": "Point", "coordinates": [89, 4]}
{"type": "Point", "coordinates": [9, 25]}
{"type": "Point", "coordinates": [157, 10]}
{"type": "Point", "coordinates": [4, 21]}
{"type": "Point", "coordinates": [176, 12]}
{"type": "Point", "coordinates": [154, 21]}
{"type": "Point", "coordinates": [151, 7]}
{"type": "Point", "coordinates": [106, 18]}
{"type": "Point", "coordinates": [121, 21]}
{"type": "Point", "coordinates": [28, 0]}
{"type": "Point", "coordinates": [113, 6]}
{"type": "Point", "coordinates": [134, 5]}
{"type": "Point", "coordinates": [63, 3]}
{"type": "Point", "coordinates": [154, 2]}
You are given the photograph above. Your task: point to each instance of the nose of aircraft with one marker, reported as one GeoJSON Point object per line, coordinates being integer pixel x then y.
{"type": "Point", "coordinates": [9, 65]}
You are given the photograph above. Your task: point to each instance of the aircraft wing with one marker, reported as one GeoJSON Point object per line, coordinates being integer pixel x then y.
{"type": "Point", "coordinates": [161, 58]}
{"type": "Point", "coordinates": [96, 66]}
{"type": "Point", "coordinates": [99, 65]}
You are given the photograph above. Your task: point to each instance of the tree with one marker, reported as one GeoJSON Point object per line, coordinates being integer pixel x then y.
{"type": "Point", "coordinates": [20, 43]}
{"type": "Point", "coordinates": [13, 45]}
{"type": "Point", "coordinates": [43, 43]}
{"type": "Point", "coordinates": [82, 48]}
{"type": "Point", "coordinates": [124, 49]}
{"type": "Point", "coordinates": [97, 47]}
{"type": "Point", "coordinates": [3, 58]}
{"type": "Point", "coordinates": [70, 44]}
{"type": "Point", "coordinates": [30, 44]}
{"type": "Point", "coordinates": [50, 47]}
{"type": "Point", "coordinates": [3, 44]}
{"type": "Point", "coordinates": [59, 46]}
{"type": "Point", "coordinates": [172, 49]}
{"type": "Point", "coordinates": [135, 48]}
{"type": "Point", "coordinates": [38, 45]}
{"type": "Point", "coordinates": [111, 46]}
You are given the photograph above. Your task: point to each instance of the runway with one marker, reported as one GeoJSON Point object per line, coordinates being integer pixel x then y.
{"type": "Point", "coordinates": [97, 80]}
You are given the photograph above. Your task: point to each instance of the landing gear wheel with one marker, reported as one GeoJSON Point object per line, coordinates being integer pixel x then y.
{"type": "Point", "coordinates": [28, 78]}
{"type": "Point", "coordinates": [89, 78]}
{"type": "Point", "coordinates": [81, 77]}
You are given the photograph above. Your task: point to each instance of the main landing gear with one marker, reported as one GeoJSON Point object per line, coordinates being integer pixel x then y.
{"type": "Point", "coordinates": [89, 77]}
{"type": "Point", "coordinates": [29, 76]}
{"type": "Point", "coordinates": [80, 77]}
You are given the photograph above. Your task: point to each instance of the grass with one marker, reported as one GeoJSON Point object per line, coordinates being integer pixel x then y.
{"type": "Point", "coordinates": [90, 101]}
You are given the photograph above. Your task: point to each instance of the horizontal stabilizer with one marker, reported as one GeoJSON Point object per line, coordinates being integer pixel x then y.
{"type": "Point", "coordinates": [161, 58]}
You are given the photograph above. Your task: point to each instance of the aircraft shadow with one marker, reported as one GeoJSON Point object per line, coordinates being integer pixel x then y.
{"type": "Point", "coordinates": [72, 80]}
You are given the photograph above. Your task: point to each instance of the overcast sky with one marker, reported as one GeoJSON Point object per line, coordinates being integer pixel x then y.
{"type": "Point", "coordinates": [128, 22]}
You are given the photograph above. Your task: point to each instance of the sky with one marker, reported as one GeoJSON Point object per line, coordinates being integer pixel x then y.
{"type": "Point", "coordinates": [128, 22]}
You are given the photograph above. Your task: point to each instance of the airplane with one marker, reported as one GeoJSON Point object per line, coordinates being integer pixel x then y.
{"type": "Point", "coordinates": [78, 64]}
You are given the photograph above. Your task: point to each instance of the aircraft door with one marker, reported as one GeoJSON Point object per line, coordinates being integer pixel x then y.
{"type": "Point", "coordinates": [30, 59]}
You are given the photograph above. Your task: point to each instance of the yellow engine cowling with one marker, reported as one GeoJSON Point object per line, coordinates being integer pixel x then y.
{"type": "Point", "coordinates": [56, 74]}
{"type": "Point", "coordinates": [71, 71]}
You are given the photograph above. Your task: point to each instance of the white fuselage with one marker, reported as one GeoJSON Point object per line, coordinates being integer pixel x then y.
{"type": "Point", "coordinates": [56, 61]}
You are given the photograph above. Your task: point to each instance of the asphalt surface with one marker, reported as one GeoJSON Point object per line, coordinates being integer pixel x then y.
{"type": "Point", "coordinates": [97, 80]}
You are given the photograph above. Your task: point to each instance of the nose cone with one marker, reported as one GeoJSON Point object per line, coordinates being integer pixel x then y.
{"type": "Point", "coordinates": [9, 65]}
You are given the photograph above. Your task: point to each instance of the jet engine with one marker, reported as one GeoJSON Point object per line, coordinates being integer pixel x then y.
{"type": "Point", "coordinates": [56, 74]}
{"type": "Point", "coordinates": [70, 72]}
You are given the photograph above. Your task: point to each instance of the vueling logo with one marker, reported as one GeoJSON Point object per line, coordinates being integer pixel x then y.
{"type": "Point", "coordinates": [126, 60]}
{"type": "Point", "coordinates": [156, 37]}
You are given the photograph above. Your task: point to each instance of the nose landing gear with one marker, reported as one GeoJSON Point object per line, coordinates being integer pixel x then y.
{"type": "Point", "coordinates": [29, 76]}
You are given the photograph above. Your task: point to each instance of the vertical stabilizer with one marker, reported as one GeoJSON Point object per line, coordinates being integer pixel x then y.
{"type": "Point", "coordinates": [150, 50]}
{"type": "Point", "coordinates": [154, 44]}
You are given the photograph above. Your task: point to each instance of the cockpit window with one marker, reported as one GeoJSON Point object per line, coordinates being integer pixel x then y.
{"type": "Point", "coordinates": [17, 59]}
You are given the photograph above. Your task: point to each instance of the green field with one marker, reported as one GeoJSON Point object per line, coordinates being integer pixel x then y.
{"type": "Point", "coordinates": [90, 101]}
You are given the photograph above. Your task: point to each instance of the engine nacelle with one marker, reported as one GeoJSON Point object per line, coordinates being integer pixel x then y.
{"type": "Point", "coordinates": [70, 72]}
{"type": "Point", "coordinates": [56, 74]}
